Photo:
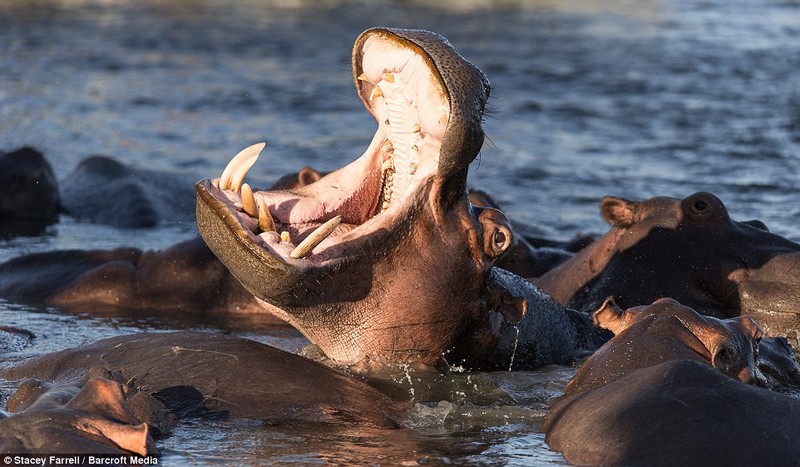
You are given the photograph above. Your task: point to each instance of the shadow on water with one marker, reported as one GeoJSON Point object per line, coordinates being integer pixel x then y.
{"type": "Point", "coordinates": [634, 99]}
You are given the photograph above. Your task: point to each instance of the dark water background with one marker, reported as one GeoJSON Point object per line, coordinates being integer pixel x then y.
{"type": "Point", "coordinates": [637, 99]}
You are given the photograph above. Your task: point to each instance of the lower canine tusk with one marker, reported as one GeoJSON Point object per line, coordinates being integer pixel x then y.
{"type": "Point", "coordinates": [306, 246]}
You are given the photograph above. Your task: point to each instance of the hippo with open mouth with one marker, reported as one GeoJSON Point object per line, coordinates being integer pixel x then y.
{"type": "Point", "coordinates": [385, 258]}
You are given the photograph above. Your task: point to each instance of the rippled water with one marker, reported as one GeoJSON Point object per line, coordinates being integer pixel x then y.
{"type": "Point", "coordinates": [636, 99]}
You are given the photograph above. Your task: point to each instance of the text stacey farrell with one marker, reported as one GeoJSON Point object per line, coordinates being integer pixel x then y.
{"type": "Point", "coordinates": [80, 459]}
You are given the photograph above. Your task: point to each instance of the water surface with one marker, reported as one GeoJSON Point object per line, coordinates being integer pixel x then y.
{"type": "Point", "coordinates": [634, 99]}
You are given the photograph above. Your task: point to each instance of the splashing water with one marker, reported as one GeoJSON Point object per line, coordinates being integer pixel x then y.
{"type": "Point", "coordinates": [514, 352]}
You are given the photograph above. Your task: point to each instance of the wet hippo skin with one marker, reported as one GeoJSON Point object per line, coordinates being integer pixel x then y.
{"type": "Point", "coordinates": [668, 390]}
{"type": "Point", "coordinates": [183, 277]}
{"type": "Point", "coordinates": [203, 374]}
{"type": "Point", "coordinates": [386, 259]}
{"type": "Point", "coordinates": [97, 418]}
{"type": "Point", "coordinates": [690, 250]}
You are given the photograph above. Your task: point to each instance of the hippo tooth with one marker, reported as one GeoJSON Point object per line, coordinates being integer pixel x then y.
{"type": "Point", "coordinates": [387, 146]}
{"type": "Point", "coordinates": [416, 128]}
{"type": "Point", "coordinates": [265, 222]}
{"type": "Point", "coordinates": [237, 168]}
{"type": "Point", "coordinates": [248, 201]}
{"type": "Point", "coordinates": [285, 237]}
{"type": "Point", "coordinates": [388, 77]}
{"type": "Point", "coordinates": [362, 77]}
{"type": "Point", "coordinates": [306, 246]}
{"type": "Point", "coordinates": [376, 93]}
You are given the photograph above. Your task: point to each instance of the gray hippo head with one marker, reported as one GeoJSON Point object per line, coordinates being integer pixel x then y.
{"type": "Point", "coordinates": [384, 258]}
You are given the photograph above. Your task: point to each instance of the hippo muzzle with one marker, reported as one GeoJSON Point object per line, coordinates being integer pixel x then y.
{"type": "Point", "coordinates": [385, 257]}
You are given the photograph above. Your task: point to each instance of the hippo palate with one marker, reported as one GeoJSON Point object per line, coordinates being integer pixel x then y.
{"type": "Point", "coordinates": [307, 222]}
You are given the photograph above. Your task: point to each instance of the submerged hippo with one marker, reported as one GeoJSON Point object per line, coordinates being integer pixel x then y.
{"type": "Point", "coordinates": [124, 196]}
{"type": "Point", "coordinates": [669, 389]}
{"type": "Point", "coordinates": [385, 258]}
{"type": "Point", "coordinates": [100, 417]}
{"type": "Point", "coordinates": [690, 250]}
{"type": "Point", "coordinates": [184, 277]}
{"type": "Point", "coordinates": [29, 198]}
{"type": "Point", "coordinates": [212, 375]}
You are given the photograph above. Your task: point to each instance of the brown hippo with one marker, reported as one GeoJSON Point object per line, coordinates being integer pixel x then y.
{"type": "Point", "coordinates": [29, 198]}
{"type": "Point", "coordinates": [689, 250]}
{"type": "Point", "coordinates": [385, 258]}
{"type": "Point", "coordinates": [100, 417]}
{"type": "Point", "coordinates": [212, 375]}
{"type": "Point", "coordinates": [669, 389]}
{"type": "Point", "coordinates": [183, 277]}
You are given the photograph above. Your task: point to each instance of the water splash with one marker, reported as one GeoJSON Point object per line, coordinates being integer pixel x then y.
{"type": "Point", "coordinates": [514, 352]}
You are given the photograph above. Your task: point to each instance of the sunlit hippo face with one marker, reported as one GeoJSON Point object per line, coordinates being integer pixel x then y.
{"type": "Point", "coordinates": [384, 258]}
{"type": "Point", "coordinates": [726, 344]}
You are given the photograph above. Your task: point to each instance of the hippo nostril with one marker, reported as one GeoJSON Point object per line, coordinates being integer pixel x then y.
{"type": "Point", "coordinates": [722, 360]}
{"type": "Point", "coordinates": [745, 375]}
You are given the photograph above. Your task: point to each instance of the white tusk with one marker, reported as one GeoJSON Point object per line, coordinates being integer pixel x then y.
{"type": "Point", "coordinates": [306, 246]}
{"type": "Point", "coordinates": [237, 168]}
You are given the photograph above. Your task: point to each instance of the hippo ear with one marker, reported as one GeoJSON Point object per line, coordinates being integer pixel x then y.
{"type": "Point", "coordinates": [750, 327]}
{"type": "Point", "coordinates": [618, 212]}
{"type": "Point", "coordinates": [132, 438]}
{"type": "Point", "coordinates": [610, 316]}
{"type": "Point", "coordinates": [102, 397]}
{"type": "Point", "coordinates": [481, 198]}
{"type": "Point", "coordinates": [307, 176]}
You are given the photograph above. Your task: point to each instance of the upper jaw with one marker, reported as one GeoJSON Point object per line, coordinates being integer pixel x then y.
{"type": "Point", "coordinates": [422, 130]}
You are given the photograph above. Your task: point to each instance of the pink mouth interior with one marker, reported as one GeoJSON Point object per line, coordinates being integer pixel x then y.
{"type": "Point", "coordinates": [408, 100]}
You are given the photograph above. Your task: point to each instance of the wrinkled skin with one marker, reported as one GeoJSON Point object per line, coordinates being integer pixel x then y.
{"type": "Point", "coordinates": [212, 375]}
{"type": "Point", "coordinates": [29, 198]}
{"type": "Point", "coordinates": [669, 389]}
{"type": "Point", "coordinates": [100, 417]}
{"type": "Point", "coordinates": [408, 275]}
{"type": "Point", "coordinates": [183, 277]}
{"type": "Point", "coordinates": [690, 250]}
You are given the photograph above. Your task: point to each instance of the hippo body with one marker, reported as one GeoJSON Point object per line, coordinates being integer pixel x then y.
{"type": "Point", "coordinates": [203, 374]}
{"type": "Point", "coordinates": [101, 417]}
{"type": "Point", "coordinates": [680, 412]}
{"type": "Point", "coordinates": [29, 197]}
{"type": "Point", "coordinates": [124, 196]}
{"type": "Point", "coordinates": [183, 277]}
{"type": "Point", "coordinates": [689, 250]}
{"type": "Point", "coordinates": [669, 389]}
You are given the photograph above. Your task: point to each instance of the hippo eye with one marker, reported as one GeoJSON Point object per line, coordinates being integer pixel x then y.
{"type": "Point", "coordinates": [499, 238]}
{"type": "Point", "coordinates": [700, 205]}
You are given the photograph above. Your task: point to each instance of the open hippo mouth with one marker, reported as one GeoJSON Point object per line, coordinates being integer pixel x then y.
{"type": "Point", "coordinates": [329, 220]}
{"type": "Point", "coordinates": [385, 256]}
